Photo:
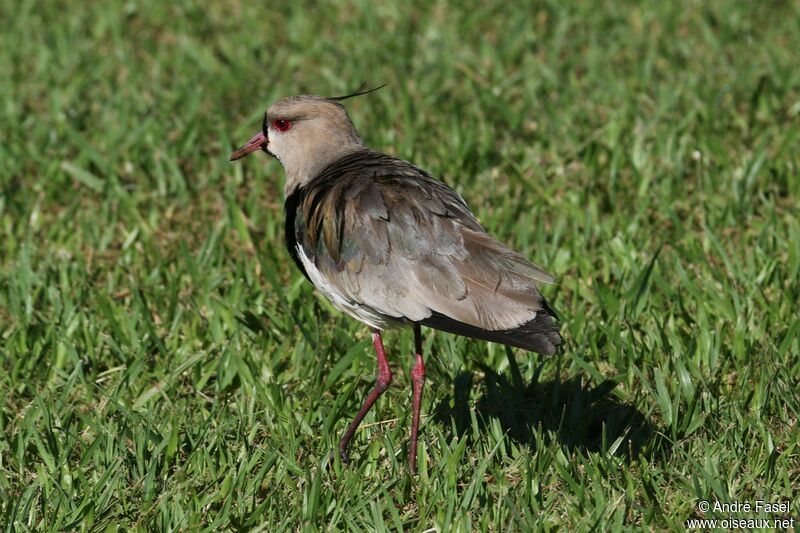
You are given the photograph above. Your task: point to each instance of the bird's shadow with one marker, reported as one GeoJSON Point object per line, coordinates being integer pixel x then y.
{"type": "Point", "coordinates": [579, 416]}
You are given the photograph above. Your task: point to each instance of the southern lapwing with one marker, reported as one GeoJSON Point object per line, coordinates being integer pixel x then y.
{"type": "Point", "coordinates": [391, 246]}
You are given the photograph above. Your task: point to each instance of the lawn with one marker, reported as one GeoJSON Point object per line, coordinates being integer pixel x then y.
{"type": "Point", "coordinates": [164, 366]}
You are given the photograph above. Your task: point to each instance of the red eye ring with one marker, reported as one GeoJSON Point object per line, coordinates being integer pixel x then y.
{"type": "Point", "coordinates": [281, 124]}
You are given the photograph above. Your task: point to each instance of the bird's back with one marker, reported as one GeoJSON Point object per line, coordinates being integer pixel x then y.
{"type": "Point", "coordinates": [387, 243]}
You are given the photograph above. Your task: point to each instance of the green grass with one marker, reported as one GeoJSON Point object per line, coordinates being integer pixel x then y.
{"type": "Point", "coordinates": [163, 366]}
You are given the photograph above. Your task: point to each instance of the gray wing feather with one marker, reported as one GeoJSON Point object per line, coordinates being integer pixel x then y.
{"type": "Point", "coordinates": [388, 237]}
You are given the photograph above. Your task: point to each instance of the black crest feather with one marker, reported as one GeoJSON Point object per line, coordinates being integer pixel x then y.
{"type": "Point", "coordinates": [362, 90]}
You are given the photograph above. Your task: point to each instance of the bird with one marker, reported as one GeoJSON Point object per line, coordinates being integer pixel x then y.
{"type": "Point", "coordinates": [391, 246]}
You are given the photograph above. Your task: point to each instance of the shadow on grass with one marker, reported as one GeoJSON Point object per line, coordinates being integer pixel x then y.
{"type": "Point", "coordinates": [581, 417]}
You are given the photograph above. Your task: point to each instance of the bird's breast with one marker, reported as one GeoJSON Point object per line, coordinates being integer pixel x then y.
{"type": "Point", "coordinates": [339, 299]}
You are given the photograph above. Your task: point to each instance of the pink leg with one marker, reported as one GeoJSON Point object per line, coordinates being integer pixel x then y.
{"type": "Point", "coordinates": [418, 383]}
{"type": "Point", "coordinates": [382, 381]}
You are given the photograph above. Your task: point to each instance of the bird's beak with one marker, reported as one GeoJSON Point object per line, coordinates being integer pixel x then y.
{"type": "Point", "coordinates": [259, 140]}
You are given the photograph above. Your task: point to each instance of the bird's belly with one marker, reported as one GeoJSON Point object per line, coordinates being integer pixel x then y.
{"type": "Point", "coordinates": [360, 312]}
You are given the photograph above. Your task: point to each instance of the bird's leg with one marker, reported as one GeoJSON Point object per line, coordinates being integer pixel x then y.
{"type": "Point", "coordinates": [418, 383]}
{"type": "Point", "coordinates": [382, 380]}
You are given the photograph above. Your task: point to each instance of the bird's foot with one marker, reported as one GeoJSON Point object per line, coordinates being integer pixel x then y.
{"type": "Point", "coordinates": [344, 458]}
{"type": "Point", "coordinates": [332, 458]}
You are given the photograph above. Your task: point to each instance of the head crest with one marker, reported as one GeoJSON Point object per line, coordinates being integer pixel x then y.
{"type": "Point", "coordinates": [358, 92]}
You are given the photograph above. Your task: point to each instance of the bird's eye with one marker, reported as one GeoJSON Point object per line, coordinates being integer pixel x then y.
{"type": "Point", "coordinates": [281, 124]}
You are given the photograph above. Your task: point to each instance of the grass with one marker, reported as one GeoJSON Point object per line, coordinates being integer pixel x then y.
{"type": "Point", "coordinates": [163, 366]}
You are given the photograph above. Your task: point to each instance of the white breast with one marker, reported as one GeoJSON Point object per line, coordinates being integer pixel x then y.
{"type": "Point", "coordinates": [360, 312]}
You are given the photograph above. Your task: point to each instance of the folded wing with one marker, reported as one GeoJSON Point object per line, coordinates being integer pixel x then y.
{"type": "Point", "coordinates": [389, 240]}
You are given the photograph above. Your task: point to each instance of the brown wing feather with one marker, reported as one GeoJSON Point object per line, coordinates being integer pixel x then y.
{"type": "Point", "coordinates": [387, 237]}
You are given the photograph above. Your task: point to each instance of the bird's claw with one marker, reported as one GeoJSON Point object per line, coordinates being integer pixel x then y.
{"type": "Point", "coordinates": [343, 456]}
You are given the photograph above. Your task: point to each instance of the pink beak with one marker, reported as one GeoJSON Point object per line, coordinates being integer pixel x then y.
{"type": "Point", "coordinates": [256, 142]}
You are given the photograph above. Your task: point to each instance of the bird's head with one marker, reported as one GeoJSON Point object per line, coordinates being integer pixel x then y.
{"type": "Point", "coordinates": [305, 133]}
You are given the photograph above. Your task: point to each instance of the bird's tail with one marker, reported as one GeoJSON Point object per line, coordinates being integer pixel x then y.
{"type": "Point", "coordinates": [540, 334]}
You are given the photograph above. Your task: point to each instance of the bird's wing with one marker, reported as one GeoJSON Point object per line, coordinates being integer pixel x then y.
{"type": "Point", "coordinates": [385, 235]}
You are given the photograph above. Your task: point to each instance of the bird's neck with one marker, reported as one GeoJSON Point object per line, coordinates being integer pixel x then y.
{"type": "Point", "coordinates": [301, 170]}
